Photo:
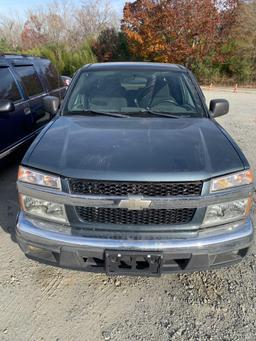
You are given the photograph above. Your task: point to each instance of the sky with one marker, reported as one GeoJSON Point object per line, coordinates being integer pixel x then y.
{"type": "Point", "coordinates": [20, 6]}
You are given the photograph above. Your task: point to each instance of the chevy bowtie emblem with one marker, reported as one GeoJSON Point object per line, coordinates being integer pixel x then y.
{"type": "Point", "coordinates": [134, 203]}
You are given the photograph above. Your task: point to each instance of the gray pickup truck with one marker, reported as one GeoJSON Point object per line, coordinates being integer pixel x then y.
{"type": "Point", "coordinates": [134, 176]}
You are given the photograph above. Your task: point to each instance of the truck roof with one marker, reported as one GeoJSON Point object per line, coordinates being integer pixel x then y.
{"type": "Point", "coordinates": [18, 56]}
{"type": "Point", "coordinates": [135, 65]}
{"type": "Point", "coordinates": [7, 59]}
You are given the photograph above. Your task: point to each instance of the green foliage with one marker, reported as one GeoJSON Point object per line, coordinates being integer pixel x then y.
{"type": "Point", "coordinates": [206, 71]}
{"type": "Point", "coordinates": [234, 67]}
{"type": "Point", "coordinates": [66, 61]}
{"type": "Point", "coordinates": [241, 69]}
{"type": "Point", "coordinates": [5, 47]}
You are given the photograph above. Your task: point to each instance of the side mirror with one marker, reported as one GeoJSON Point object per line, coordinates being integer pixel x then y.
{"type": "Point", "coordinates": [219, 107]}
{"type": "Point", "coordinates": [6, 106]}
{"type": "Point", "coordinates": [66, 80]}
{"type": "Point", "coordinates": [51, 104]}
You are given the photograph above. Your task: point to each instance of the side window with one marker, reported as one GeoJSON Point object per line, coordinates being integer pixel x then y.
{"type": "Point", "coordinates": [8, 87]}
{"type": "Point", "coordinates": [51, 75]}
{"type": "Point", "coordinates": [30, 80]}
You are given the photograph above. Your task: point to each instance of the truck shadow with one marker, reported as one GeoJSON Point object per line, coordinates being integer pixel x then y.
{"type": "Point", "coordinates": [9, 205]}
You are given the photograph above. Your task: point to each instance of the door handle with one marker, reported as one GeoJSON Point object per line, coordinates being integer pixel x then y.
{"type": "Point", "coordinates": [27, 111]}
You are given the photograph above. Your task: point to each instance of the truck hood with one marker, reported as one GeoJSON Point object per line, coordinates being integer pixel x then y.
{"type": "Point", "coordinates": [145, 149]}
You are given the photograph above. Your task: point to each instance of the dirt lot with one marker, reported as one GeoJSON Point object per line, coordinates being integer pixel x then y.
{"type": "Point", "coordinates": [40, 302]}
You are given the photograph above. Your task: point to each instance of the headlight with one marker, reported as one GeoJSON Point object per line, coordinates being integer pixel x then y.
{"type": "Point", "coordinates": [38, 178]}
{"type": "Point", "coordinates": [43, 209]}
{"type": "Point", "coordinates": [232, 180]}
{"type": "Point", "coordinates": [227, 212]}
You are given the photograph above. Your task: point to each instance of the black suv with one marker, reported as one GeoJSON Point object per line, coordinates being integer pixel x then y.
{"type": "Point", "coordinates": [135, 176]}
{"type": "Point", "coordinates": [24, 82]}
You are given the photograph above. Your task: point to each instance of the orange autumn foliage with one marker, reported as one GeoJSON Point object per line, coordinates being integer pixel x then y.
{"type": "Point", "coordinates": [178, 31]}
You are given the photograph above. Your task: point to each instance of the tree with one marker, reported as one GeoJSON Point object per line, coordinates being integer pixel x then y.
{"type": "Point", "coordinates": [32, 34]}
{"type": "Point", "coordinates": [179, 31]}
{"type": "Point", "coordinates": [111, 45]}
{"type": "Point", "coordinates": [94, 17]}
{"type": "Point", "coordinates": [61, 22]}
{"type": "Point", "coordinates": [243, 59]}
{"type": "Point", "coordinates": [10, 32]}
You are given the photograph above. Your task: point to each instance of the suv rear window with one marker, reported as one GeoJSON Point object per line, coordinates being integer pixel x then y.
{"type": "Point", "coordinates": [51, 74]}
{"type": "Point", "coordinates": [30, 80]}
{"type": "Point", "coordinates": [8, 87]}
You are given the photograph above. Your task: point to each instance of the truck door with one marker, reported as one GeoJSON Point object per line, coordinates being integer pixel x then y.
{"type": "Point", "coordinates": [16, 125]}
{"type": "Point", "coordinates": [35, 92]}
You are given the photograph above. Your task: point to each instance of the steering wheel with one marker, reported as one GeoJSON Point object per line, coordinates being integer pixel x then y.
{"type": "Point", "coordinates": [172, 101]}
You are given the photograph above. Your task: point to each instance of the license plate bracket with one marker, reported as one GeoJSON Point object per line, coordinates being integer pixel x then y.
{"type": "Point", "coordinates": [133, 263]}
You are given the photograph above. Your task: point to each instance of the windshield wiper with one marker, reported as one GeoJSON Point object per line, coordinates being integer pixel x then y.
{"type": "Point", "coordinates": [158, 113]}
{"type": "Point", "coordinates": [96, 112]}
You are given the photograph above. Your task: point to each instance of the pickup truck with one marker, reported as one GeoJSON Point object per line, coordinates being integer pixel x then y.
{"type": "Point", "coordinates": [134, 176]}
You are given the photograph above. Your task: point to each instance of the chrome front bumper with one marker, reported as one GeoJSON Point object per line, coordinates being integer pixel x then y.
{"type": "Point", "coordinates": [211, 248]}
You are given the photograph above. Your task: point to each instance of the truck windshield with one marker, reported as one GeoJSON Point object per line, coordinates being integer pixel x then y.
{"type": "Point", "coordinates": [134, 92]}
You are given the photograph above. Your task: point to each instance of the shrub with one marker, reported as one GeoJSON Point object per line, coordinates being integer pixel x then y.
{"type": "Point", "coordinates": [66, 61]}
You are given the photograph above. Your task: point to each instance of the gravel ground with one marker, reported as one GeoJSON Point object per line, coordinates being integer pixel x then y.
{"type": "Point", "coordinates": [39, 302]}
